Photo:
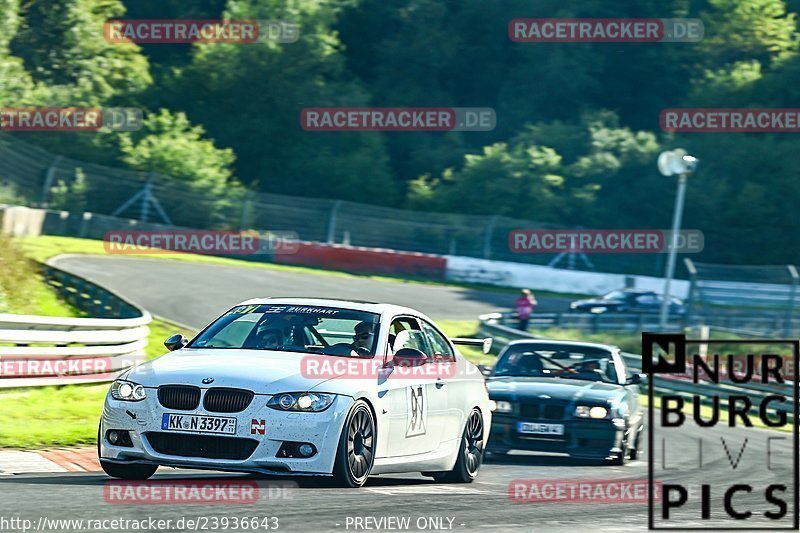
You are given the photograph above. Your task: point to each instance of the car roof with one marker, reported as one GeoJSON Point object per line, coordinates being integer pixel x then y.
{"type": "Point", "coordinates": [558, 342]}
{"type": "Point", "coordinates": [355, 305]}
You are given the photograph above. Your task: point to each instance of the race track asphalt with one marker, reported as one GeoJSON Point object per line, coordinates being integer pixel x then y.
{"type": "Point", "coordinates": [484, 505]}
{"type": "Point", "coordinates": [194, 294]}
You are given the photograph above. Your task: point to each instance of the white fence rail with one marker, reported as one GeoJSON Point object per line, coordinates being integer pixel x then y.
{"type": "Point", "coordinates": [42, 350]}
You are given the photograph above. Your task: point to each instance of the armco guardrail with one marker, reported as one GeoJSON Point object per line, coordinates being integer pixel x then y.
{"type": "Point", "coordinates": [748, 324]}
{"type": "Point", "coordinates": [490, 325]}
{"type": "Point", "coordinates": [44, 350]}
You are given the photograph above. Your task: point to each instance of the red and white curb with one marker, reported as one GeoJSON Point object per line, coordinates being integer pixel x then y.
{"type": "Point", "coordinates": [50, 461]}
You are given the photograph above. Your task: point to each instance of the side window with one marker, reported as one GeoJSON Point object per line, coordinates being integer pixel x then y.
{"type": "Point", "coordinates": [440, 348]}
{"type": "Point", "coordinates": [404, 332]}
{"type": "Point", "coordinates": [648, 299]}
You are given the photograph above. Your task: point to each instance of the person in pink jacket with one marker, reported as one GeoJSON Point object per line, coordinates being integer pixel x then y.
{"type": "Point", "coordinates": [524, 307]}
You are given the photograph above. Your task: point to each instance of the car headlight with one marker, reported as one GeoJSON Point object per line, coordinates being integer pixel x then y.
{"type": "Point", "coordinates": [127, 390]}
{"type": "Point", "coordinates": [586, 411]}
{"type": "Point", "coordinates": [501, 406]}
{"type": "Point", "coordinates": [309, 402]}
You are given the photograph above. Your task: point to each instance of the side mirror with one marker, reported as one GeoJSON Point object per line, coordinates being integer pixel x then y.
{"type": "Point", "coordinates": [485, 370]}
{"type": "Point", "coordinates": [409, 357]}
{"type": "Point", "coordinates": [176, 342]}
{"type": "Point", "coordinates": [636, 379]}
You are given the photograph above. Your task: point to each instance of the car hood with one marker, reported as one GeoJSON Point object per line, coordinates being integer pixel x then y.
{"type": "Point", "coordinates": [518, 388]}
{"type": "Point", "coordinates": [262, 371]}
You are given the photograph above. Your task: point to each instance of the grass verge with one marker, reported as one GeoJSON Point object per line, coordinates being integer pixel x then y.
{"type": "Point", "coordinates": [466, 328]}
{"type": "Point", "coordinates": [23, 290]}
{"type": "Point", "coordinates": [47, 416]}
{"type": "Point", "coordinates": [65, 415]}
{"type": "Point", "coordinates": [628, 342]}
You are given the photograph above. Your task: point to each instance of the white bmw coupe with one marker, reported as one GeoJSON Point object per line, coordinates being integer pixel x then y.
{"type": "Point", "coordinates": [295, 386]}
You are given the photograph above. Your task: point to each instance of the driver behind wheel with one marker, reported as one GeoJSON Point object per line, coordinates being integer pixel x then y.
{"type": "Point", "coordinates": [530, 364]}
{"type": "Point", "coordinates": [270, 338]}
{"type": "Point", "coordinates": [591, 370]}
{"type": "Point", "coordinates": [362, 338]}
{"type": "Point", "coordinates": [363, 335]}
{"type": "Point", "coordinates": [265, 338]}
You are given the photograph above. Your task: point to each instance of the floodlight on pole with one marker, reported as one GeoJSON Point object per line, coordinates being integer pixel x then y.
{"type": "Point", "coordinates": [671, 163]}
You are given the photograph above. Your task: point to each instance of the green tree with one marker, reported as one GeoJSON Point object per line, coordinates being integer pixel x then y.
{"type": "Point", "coordinates": [189, 169]}
{"type": "Point", "coordinates": [564, 173]}
{"type": "Point", "coordinates": [17, 87]}
{"type": "Point", "coordinates": [760, 30]}
{"type": "Point", "coordinates": [169, 144]}
{"type": "Point", "coordinates": [69, 196]}
{"type": "Point", "coordinates": [250, 98]}
{"type": "Point", "coordinates": [63, 45]}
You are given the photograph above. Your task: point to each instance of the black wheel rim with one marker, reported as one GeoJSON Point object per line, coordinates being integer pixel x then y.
{"type": "Point", "coordinates": [360, 445]}
{"type": "Point", "coordinates": [473, 443]}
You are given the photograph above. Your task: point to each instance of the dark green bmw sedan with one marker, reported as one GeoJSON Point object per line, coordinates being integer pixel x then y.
{"type": "Point", "coordinates": [567, 397]}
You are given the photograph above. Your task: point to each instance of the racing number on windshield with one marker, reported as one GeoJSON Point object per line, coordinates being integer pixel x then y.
{"type": "Point", "coordinates": [417, 416]}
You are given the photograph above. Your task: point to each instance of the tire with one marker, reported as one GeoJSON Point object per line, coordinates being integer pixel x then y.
{"type": "Point", "coordinates": [622, 458]}
{"type": "Point", "coordinates": [633, 454]}
{"type": "Point", "coordinates": [355, 455]}
{"type": "Point", "coordinates": [128, 471]}
{"type": "Point", "coordinates": [470, 453]}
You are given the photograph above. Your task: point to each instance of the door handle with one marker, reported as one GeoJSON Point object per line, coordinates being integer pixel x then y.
{"type": "Point", "coordinates": [440, 383]}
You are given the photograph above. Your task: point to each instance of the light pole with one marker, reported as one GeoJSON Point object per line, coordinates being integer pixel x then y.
{"type": "Point", "coordinates": [669, 164]}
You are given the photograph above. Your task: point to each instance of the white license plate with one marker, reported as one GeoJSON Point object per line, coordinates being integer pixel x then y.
{"type": "Point", "coordinates": [198, 424]}
{"type": "Point", "coordinates": [532, 428]}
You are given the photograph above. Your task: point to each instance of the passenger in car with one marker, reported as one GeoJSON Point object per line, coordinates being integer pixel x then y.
{"type": "Point", "coordinates": [361, 346]}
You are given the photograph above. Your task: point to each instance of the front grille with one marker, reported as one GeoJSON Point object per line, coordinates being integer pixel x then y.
{"type": "Point", "coordinates": [542, 411]}
{"type": "Point", "coordinates": [553, 412]}
{"type": "Point", "coordinates": [182, 397]}
{"type": "Point", "coordinates": [221, 400]}
{"type": "Point", "coordinates": [207, 447]}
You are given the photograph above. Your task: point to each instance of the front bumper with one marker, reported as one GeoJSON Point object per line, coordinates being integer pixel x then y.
{"type": "Point", "coordinates": [141, 418]}
{"type": "Point", "coordinates": [582, 438]}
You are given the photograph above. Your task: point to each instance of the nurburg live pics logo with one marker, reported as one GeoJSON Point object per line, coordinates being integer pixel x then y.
{"type": "Point", "coordinates": [716, 471]}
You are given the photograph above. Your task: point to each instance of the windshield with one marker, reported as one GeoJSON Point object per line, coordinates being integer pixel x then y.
{"type": "Point", "coordinates": [293, 328]}
{"type": "Point", "coordinates": [555, 362]}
